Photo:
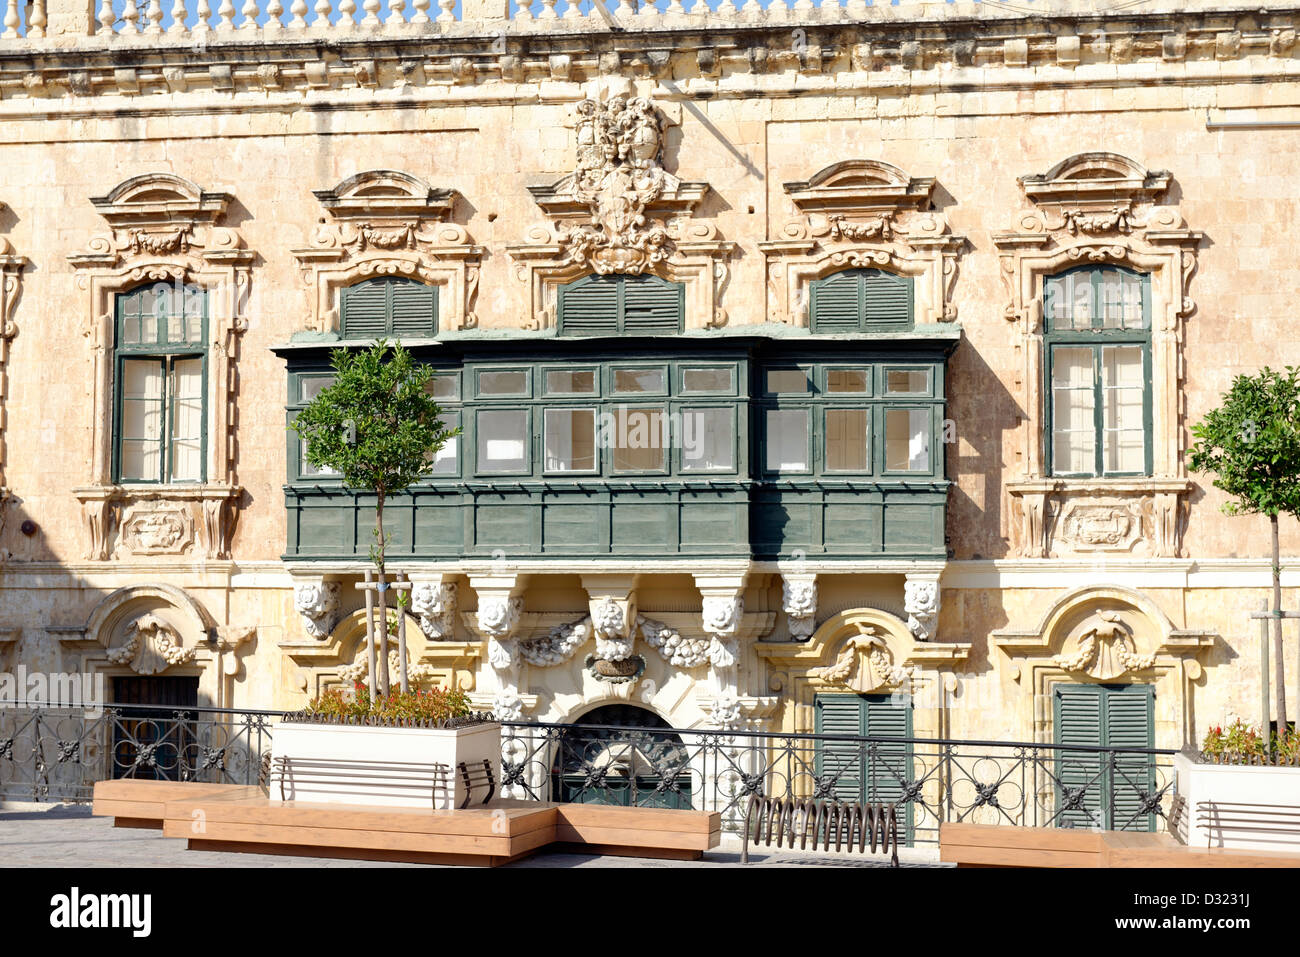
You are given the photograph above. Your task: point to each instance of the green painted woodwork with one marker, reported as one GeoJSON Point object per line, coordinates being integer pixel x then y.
{"type": "Point", "coordinates": [167, 324]}
{"type": "Point", "coordinates": [1120, 716]}
{"type": "Point", "coordinates": [389, 307]}
{"type": "Point", "coordinates": [1095, 320]}
{"type": "Point", "coordinates": [861, 300]}
{"type": "Point", "coordinates": [877, 770]}
{"type": "Point", "coordinates": [730, 505]}
{"type": "Point", "coordinates": [610, 305]}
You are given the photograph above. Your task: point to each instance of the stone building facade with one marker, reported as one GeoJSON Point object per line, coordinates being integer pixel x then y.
{"type": "Point", "coordinates": [917, 304]}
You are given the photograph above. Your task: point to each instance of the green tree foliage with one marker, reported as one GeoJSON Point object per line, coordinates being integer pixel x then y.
{"type": "Point", "coordinates": [379, 427]}
{"type": "Point", "coordinates": [1252, 445]}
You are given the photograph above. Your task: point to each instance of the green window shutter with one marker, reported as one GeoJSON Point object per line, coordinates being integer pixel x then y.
{"type": "Point", "coordinates": [891, 764]}
{"type": "Point", "coordinates": [365, 310]}
{"type": "Point", "coordinates": [1078, 720]}
{"type": "Point", "coordinates": [857, 300]}
{"type": "Point", "coordinates": [837, 303]}
{"type": "Point", "coordinates": [1129, 714]}
{"type": "Point", "coordinates": [389, 307]}
{"type": "Point", "coordinates": [887, 298]}
{"type": "Point", "coordinates": [589, 307]}
{"type": "Point", "coordinates": [651, 307]}
{"type": "Point", "coordinates": [842, 715]}
{"type": "Point", "coordinates": [414, 309]}
{"type": "Point", "coordinates": [608, 305]}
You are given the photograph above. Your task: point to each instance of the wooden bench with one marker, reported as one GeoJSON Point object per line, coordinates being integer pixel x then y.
{"type": "Point", "coordinates": [996, 845]}
{"type": "Point", "coordinates": [139, 803]}
{"type": "Point", "coordinates": [502, 830]}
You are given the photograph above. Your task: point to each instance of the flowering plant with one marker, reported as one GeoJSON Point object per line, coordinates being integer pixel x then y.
{"type": "Point", "coordinates": [434, 706]}
{"type": "Point", "coordinates": [1241, 743]}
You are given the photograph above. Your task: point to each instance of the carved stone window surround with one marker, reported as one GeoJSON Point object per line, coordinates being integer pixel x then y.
{"type": "Point", "coordinates": [164, 229]}
{"type": "Point", "coordinates": [1144, 647]}
{"type": "Point", "coordinates": [388, 223]}
{"type": "Point", "coordinates": [1099, 208]}
{"type": "Point", "coordinates": [862, 214]}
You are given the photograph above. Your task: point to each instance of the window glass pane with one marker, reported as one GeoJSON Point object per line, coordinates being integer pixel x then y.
{"type": "Point", "coordinates": [856, 381]}
{"type": "Point", "coordinates": [707, 380]}
{"type": "Point", "coordinates": [907, 440]}
{"type": "Point", "coordinates": [640, 380]}
{"type": "Point", "coordinates": [306, 468]}
{"type": "Point", "coordinates": [907, 382]}
{"type": "Point", "coordinates": [787, 380]}
{"type": "Point", "coordinates": [513, 382]}
{"type": "Point", "coordinates": [445, 385]}
{"type": "Point", "coordinates": [447, 459]}
{"type": "Point", "coordinates": [1073, 404]}
{"type": "Point", "coordinates": [502, 440]}
{"type": "Point", "coordinates": [570, 440]}
{"type": "Point", "coordinates": [1123, 386]}
{"type": "Point", "coordinates": [639, 440]}
{"type": "Point", "coordinates": [708, 440]}
{"type": "Point", "coordinates": [787, 440]}
{"type": "Point", "coordinates": [847, 442]}
{"type": "Point", "coordinates": [187, 420]}
{"type": "Point", "coordinates": [142, 420]}
{"type": "Point", "coordinates": [312, 386]}
{"type": "Point", "coordinates": [570, 381]}
{"type": "Point", "coordinates": [194, 302]}
{"type": "Point", "coordinates": [1056, 301]}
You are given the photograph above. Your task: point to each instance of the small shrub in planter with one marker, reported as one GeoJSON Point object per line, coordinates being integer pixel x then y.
{"type": "Point", "coordinates": [435, 708]}
{"type": "Point", "coordinates": [1241, 743]}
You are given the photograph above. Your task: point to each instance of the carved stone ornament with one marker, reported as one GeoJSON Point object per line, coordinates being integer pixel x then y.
{"type": "Point", "coordinates": [151, 648]}
{"type": "Point", "coordinates": [435, 604]}
{"type": "Point", "coordinates": [1099, 208]}
{"type": "Point", "coordinates": [799, 602]}
{"type": "Point", "coordinates": [620, 211]}
{"type": "Point", "coordinates": [673, 647]}
{"type": "Point", "coordinates": [1104, 649]}
{"type": "Point", "coordinates": [921, 602]}
{"type": "Point", "coordinates": [558, 645]}
{"type": "Point", "coordinates": [163, 229]}
{"type": "Point", "coordinates": [318, 604]}
{"type": "Point", "coordinates": [388, 223]}
{"type": "Point", "coordinates": [867, 647]}
{"type": "Point", "coordinates": [416, 672]}
{"type": "Point", "coordinates": [498, 615]}
{"type": "Point", "coordinates": [616, 672]}
{"type": "Point", "coordinates": [862, 214]}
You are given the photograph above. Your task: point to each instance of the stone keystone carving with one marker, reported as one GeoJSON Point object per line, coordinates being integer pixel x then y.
{"type": "Point", "coordinates": [721, 620]}
{"type": "Point", "coordinates": [317, 602]}
{"type": "Point", "coordinates": [153, 647]}
{"type": "Point", "coordinates": [882, 670]}
{"type": "Point", "coordinates": [617, 175]}
{"type": "Point", "coordinates": [613, 637]}
{"type": "Point", "coordinates": [435, 603]}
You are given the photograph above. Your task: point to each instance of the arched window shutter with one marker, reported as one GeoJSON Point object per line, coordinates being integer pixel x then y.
{"type": "Point", "coordinates": [402, 308]}
{"type": "Point", "coordinates": [861, 300]}
{"type": "Point", "coordinates": [589, 307]}
{"type": "Point", "coordinates": [651, 306]}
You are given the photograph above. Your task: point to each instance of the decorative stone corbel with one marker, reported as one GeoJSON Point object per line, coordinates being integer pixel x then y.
{"type": "Point", "coordinates": [318, 603]}
{"type": "Point", "coordinates": [434, 601]}
{"type": "Point", "coordinates": [497, 618]}
{"type": "Point", "coordinates": [921, 602]}
{"type": "Point", "coordinates": [799, 602]}
{"type": "Point", "coordinates": [612, 602]}
{"type": "Point", "coordinates": [722, 609]}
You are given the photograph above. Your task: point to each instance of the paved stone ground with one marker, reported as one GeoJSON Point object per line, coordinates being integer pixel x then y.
{"type": "Point", "coordinates": [42, 835]}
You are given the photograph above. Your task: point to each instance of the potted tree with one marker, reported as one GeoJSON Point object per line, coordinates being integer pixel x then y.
{"type": "Point", "coordinates": [1251, 444]}
{"type": "Point", "coordinates": [379, 428]}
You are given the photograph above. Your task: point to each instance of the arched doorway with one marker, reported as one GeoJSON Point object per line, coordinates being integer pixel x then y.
{"type": "Point", "coordinates": [625, 755]}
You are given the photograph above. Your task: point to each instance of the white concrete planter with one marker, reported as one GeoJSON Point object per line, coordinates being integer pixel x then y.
{"type": "Point", "coordinates": [1231, 805]}
{"type": "Point", "coordinates": [367, 765]}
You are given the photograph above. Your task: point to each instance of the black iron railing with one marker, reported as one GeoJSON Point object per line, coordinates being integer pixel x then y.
{"type": "Point", "coordinates": [57, 754]}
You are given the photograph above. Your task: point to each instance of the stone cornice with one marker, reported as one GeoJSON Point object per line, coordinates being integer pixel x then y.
{"type": "Point", "coordinates": [905, 43]}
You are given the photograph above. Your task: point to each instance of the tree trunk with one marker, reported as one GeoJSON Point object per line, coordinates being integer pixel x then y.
{"type": "Point", "coordinates": [1278, 651]}
{"type": "Point", "coordinates": [383, 604]}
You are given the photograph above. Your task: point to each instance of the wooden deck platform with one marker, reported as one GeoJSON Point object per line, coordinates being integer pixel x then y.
{"type": "Point", "coordinates": [226, 818]}
{"type": "Point", "coordinates": [989, 845]}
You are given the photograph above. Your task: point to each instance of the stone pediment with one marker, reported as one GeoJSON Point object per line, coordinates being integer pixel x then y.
{"type": "Point", "coordinates": [860, 186]}
{"type": "Point", "coordinates": [160, 200]}
{"type": "Point", "coordinates": [1096, 177]}
{"type": "Point", "coordinates": [676, 198]}
{"type": "Point", "coordinates": [385, 194]}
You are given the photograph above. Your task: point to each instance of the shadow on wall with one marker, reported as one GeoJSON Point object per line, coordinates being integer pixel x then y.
{"type": "Point", "coordinates": [983, 411]}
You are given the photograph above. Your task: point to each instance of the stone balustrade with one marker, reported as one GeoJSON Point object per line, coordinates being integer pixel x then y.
{"type": "Point", "coordinates": [164, 21]}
